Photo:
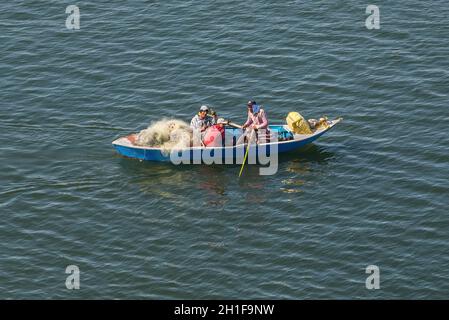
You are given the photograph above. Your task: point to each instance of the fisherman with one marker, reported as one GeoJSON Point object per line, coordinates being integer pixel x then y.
{"type": "Point", "coordinates": [257, 120]}
{"type": "Point", "coordinates": [220, 126]}
{"type": "Point", "coordinates": [215, 135]}
{"type": "Point", "coordinates": [202, 120]}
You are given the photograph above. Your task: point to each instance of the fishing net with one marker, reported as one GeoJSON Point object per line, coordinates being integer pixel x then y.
{"type": "Point", "coordinates": [166, 134]}
{"type": "Point", "coordinates": [298, 124]}
{"type": "Point", "coordinates": [317, 125]}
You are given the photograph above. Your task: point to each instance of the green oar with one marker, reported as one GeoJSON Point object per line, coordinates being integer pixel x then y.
{"type": "Point", "coordinates": [246, 153]}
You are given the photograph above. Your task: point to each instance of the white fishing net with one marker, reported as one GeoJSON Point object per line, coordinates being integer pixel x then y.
{"type": "Point", "coordinates": [166, 134]}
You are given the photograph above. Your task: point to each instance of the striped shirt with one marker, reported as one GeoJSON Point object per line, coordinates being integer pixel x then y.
{"type": "Point", "coordinates": [198, 123]}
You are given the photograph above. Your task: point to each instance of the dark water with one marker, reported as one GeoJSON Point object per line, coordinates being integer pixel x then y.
{"type": "Point", "coordinates": [372, 191]}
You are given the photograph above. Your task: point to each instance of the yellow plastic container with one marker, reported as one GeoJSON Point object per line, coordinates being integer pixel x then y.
{"type": "Point", "coordinates": [298, 124]}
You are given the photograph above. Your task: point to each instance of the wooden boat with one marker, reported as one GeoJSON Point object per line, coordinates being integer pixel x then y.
{"type": "Point", "coordinates": [126, 147]}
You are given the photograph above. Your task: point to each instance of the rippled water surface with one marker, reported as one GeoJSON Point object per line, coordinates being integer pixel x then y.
{"type": "Point", "coordinates": [374, 190]}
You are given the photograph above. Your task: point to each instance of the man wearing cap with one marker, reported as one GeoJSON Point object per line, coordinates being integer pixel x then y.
{"type": "Point", "coordinates": [215, 135]}
{"type": "Point", "coordinates": [202, 120]}
{"type": "Point", "coordinates": [257, 118]}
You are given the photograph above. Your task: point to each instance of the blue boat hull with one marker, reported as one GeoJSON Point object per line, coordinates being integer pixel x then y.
{"type": "Point", "coordinates": [228, 154]}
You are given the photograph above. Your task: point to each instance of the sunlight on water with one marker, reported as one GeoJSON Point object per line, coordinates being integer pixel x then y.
{"type": "Point", "coordinates": [373, 191]}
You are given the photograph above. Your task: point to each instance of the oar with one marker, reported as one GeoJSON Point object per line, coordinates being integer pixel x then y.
{"type": "Point", "coordinates": [246, 153]}
{"type": "Point", "coordinates": [235, 125]}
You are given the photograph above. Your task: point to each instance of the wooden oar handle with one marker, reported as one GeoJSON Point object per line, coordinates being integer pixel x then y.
{"type": "Point", "coordinates": [232, 124]}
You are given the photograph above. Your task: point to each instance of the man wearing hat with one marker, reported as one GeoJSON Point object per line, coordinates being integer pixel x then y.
{"type": "Point", "coordinates": [202, 120]}
{"type": "Point", "coordinates": [215, 135]}
{"type": "Point", "coordinates": [257, 120]}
